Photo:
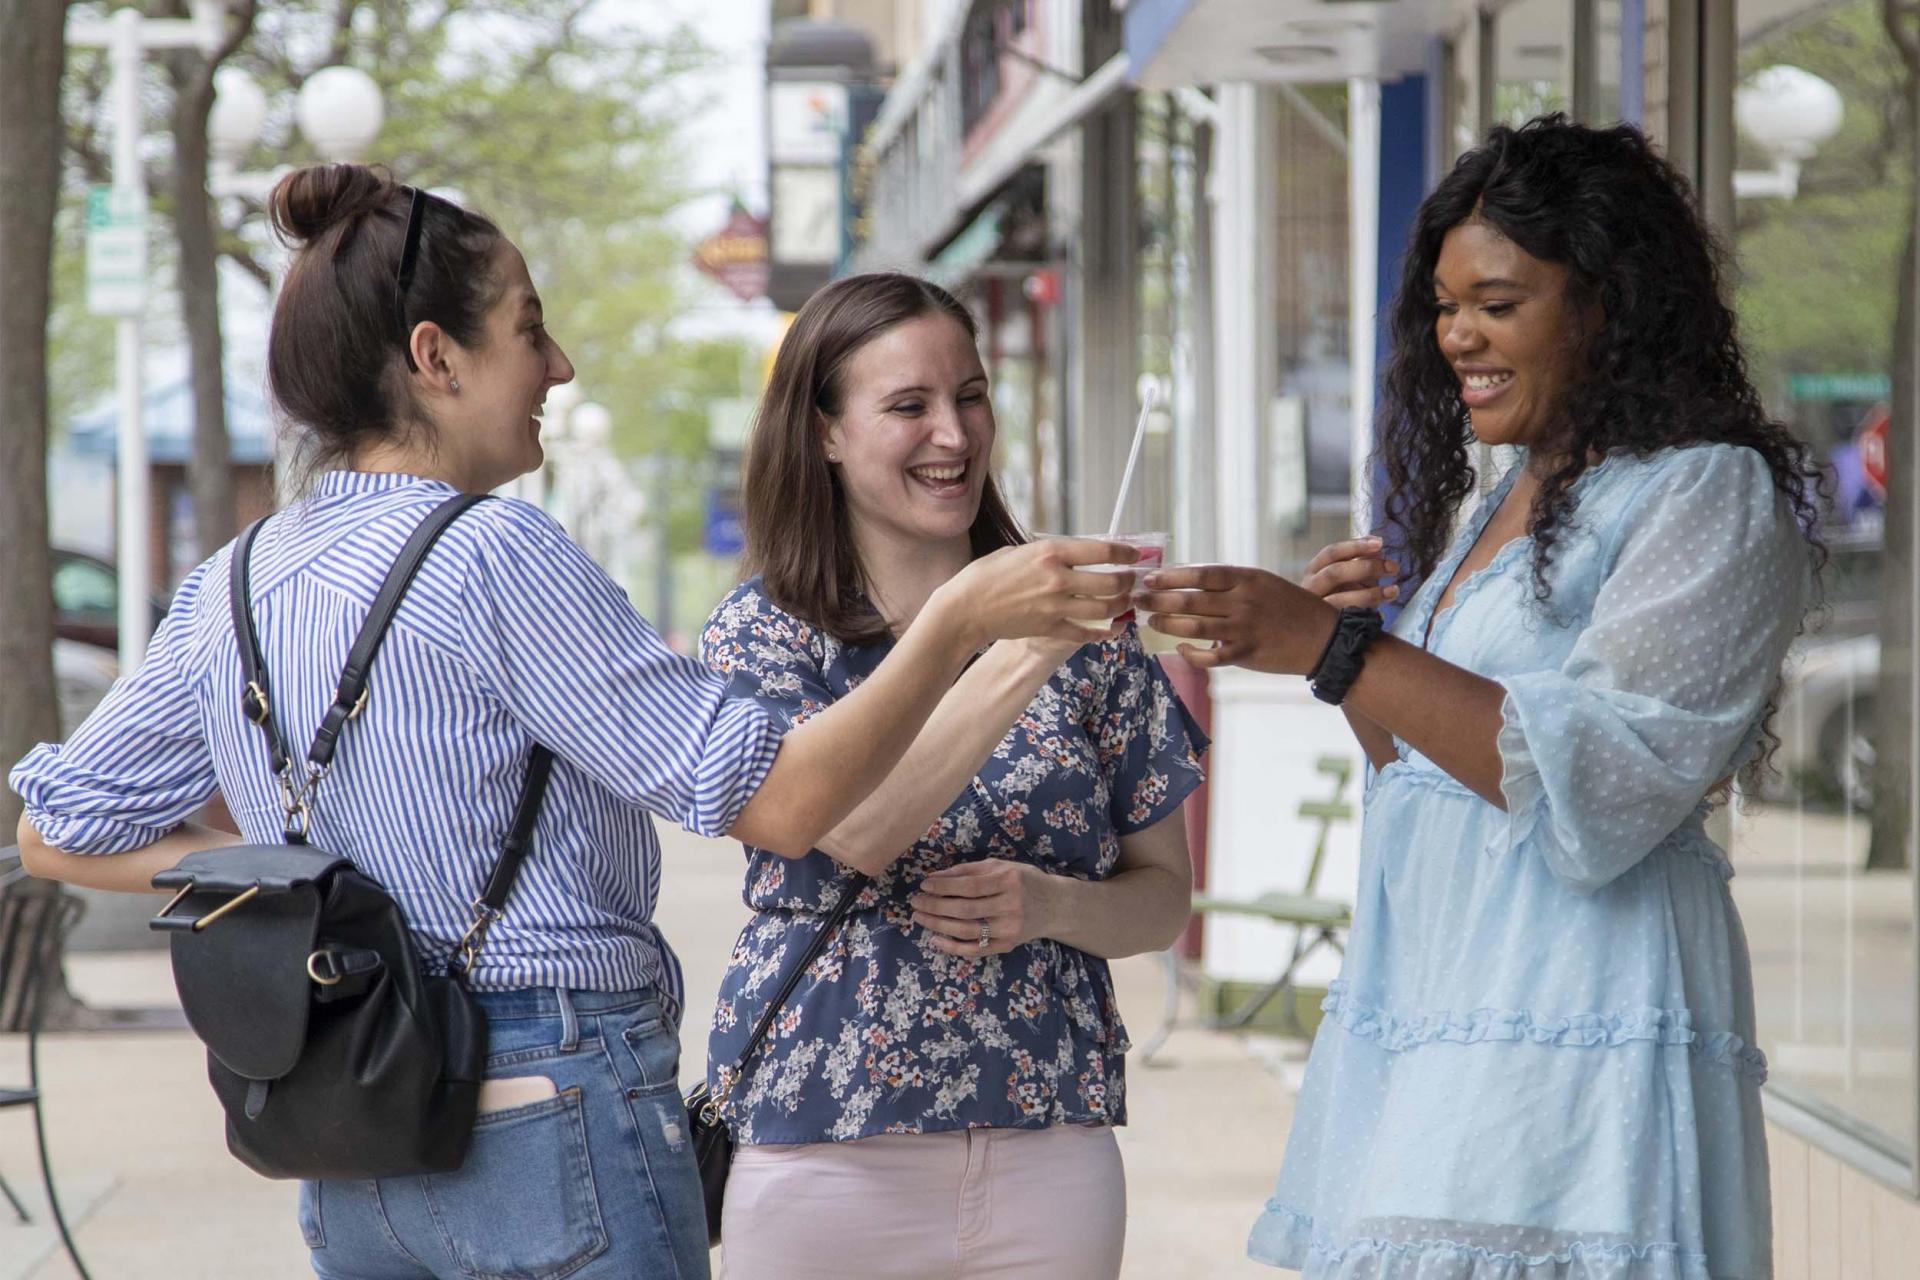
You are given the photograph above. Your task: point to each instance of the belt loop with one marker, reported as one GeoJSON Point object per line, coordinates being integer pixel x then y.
{"type": "Point", "coordinates": [569, 1021]}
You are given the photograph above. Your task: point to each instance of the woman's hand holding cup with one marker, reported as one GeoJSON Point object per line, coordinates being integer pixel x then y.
{"type": "Point", "coordinates": [1253, 618]}
{"type": "Point", "coordinates": [1040, 590]}
{"type": "Point", "coordinates": [1347, 574]}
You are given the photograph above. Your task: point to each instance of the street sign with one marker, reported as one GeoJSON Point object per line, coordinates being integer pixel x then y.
{"type": "Point", "coordinates": [1810, 387]}
{"type": "Point", "coordinates": [116, 252]}
{"type": "Point", "coordinates": [1871, 439]}
{"type": "Point", "coordinates": [724, 535]}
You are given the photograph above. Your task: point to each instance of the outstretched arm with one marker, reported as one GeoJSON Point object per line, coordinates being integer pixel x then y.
{"type": "Point", "coordinates": [959, 736]}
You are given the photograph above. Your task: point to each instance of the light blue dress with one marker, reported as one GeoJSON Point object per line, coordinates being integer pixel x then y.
{"type": "Point", "coordinates": [1538, 1062]}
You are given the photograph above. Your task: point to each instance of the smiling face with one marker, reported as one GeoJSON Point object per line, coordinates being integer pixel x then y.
{"type": "Point", "coordinates": [490, 428]}
{"type": "Point", "coordinates": [1509, 330]}
{"type": "Point", "coordinates": [914, 434]}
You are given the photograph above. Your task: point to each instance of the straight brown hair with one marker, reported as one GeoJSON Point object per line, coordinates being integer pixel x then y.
{"type": "Point", "coordinates": [799, 540]}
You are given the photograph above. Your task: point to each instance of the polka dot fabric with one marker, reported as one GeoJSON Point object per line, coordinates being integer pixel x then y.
{"type": "Point", "coordinates": [1538, 1061]}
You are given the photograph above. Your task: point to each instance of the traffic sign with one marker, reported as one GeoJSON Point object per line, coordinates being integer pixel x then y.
{"type": "Point", "coordinates": [116, 252]}
{"type": "Point", "coordinates": [1871, 439]}
{"type": "Point", "coordinates": [724, 534]}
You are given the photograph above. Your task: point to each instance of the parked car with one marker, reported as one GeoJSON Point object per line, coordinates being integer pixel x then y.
{"type": "Point", "coordinates": [82, 674]}
{"type": "Point", "coordinates": [86, 600]}
{"type": "Point", "coordinates": [1826, 721]}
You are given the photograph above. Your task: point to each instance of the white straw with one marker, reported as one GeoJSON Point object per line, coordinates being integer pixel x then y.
{"type": "Point", "coordinates": [1133, 458]}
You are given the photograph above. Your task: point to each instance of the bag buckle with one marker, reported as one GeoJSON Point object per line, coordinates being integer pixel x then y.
{"type": "Point", "coordinates": [255, 705]}
{"type": "Point", "coordinates": [332, 979]}
{"type": "Point", "coordinates": [166, 920]}
{"type": "Point", "coordinates": [468, 948]}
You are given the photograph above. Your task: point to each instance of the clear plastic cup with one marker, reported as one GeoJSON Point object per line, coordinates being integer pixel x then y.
{"type": "Point", "coordinates": [1153, 553]}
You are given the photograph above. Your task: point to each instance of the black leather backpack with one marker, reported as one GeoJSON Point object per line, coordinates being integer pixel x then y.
{"type": "Point", "coordinates": [333, 1054]}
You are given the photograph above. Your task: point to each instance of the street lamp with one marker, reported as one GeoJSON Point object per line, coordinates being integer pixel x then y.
{"type": "Point", "coordinates": [126, 36]}
{"type": "Point", "coordinates": [1789, 113]}
{"type": "Point", "coordinates": [339, 110]}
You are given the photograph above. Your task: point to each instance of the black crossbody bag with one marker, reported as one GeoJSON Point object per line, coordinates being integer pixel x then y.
{"type": "Point", "coordinates": [333, 1054]}
{"type": "Point", "coordinates": [712, 1141]}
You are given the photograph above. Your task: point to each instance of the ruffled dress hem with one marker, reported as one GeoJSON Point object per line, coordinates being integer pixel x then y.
{"type": "Point", "coordinates": [1285, 1238]}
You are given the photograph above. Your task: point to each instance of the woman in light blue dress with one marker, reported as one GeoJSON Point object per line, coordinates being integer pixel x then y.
{"type": "Point", "coordinates": [1539, 1059]}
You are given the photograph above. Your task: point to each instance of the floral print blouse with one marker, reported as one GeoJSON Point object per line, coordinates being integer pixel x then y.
{"type": "Point", "coordinates": [885, 1033]}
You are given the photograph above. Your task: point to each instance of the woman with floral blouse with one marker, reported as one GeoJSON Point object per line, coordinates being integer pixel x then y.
{"type": "Point", "coordinates": [938, 1096]}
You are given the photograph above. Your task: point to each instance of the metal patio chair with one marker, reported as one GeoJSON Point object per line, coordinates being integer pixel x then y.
{"type": "Point", "coordinates": [1316, 921]}
{"type": "Point", "coordinates": [31, 929]}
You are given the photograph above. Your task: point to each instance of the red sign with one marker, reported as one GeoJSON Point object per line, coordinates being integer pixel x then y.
{"type": "Point", "coordinates": [736, 255]}
{"type": "Point", "coordinates": [1871, 440]}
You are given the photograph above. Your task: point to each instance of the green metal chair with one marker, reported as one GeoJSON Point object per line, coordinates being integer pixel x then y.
{"type": "Point", "coordinates": [31, 928]}
{"type": "Point", "coordinates": [1317, 922]}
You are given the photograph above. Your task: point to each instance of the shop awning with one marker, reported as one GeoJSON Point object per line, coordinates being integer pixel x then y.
{"type": "Point", "coordinates": [970, 248]}
{"type": "Point", "coordinates": [1012, 152]}
{"type": "Point", "coordinates": [1176, 43]}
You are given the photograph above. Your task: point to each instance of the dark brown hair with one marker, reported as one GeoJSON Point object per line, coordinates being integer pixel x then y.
{"type": "Point", "coordinates": [335, 355]}
{"type": "Point", "coordinates": [798, 537]}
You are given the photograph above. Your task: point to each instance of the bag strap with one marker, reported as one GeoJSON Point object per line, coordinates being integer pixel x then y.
{"type": "Point", "coordinates": [351, 693]}
{"type": "Point", "coordinates": [254, 700]}
{"type": "Point", "coordinates": [350, 696]}
{"type": "Point", "coordinates": [492, 902]}
{"type": "Point", "coordinates": [855, 887]}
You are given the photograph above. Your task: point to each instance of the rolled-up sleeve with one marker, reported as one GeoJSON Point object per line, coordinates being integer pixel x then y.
{"type": "Point", "coordinates": [1662, 693]}
{"type": "Point", "coordinates": [562, 647]}
{"type": "Point", "coordinates": [137, 767]}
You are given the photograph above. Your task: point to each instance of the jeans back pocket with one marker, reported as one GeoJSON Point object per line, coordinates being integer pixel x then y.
{"type": "Point", "coordinates": [524, 1205]}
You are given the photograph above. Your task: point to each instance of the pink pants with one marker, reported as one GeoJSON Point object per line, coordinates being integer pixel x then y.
{"type": "Point", "coordinates": [1045, 1203]}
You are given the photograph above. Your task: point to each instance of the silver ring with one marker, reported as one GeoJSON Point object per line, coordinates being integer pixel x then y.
{"type": "Point", "coordinates": [986, 935]}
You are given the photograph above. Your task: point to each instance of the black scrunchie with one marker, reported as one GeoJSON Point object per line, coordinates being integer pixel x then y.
{"type": "Point", "coordinates": [1340, 662]}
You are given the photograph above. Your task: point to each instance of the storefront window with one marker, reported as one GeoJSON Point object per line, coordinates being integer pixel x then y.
{"type": "Point", "coordinates": [1307, 437]}
{"type": "Point", "coordinates": [1824, 883]}
{"type": "Point", "coordinates": [1533, 60]}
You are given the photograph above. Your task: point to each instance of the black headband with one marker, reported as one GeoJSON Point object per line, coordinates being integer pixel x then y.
{"type": "Point", "coordinates": [404, 281]}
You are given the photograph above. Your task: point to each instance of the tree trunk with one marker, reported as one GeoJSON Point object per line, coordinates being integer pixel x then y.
{"type": "Point", "coordinates": [210, 467]}
{"type": "Point", "coordinates": [30, 142]}
{"type": "Point", "coordinates": [1893, 725]}
{"type": "Point", "coordinates": [1893, 693]}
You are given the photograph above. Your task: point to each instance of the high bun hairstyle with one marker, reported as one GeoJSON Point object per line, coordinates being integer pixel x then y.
{"type": "Point", "coordinates": [336, 362]}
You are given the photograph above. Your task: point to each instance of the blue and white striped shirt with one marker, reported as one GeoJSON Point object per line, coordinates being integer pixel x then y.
{"type": "Point", "coordinates": [509, 635]}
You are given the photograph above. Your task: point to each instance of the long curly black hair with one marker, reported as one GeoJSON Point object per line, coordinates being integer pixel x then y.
{"type": "Point", "coordinates": [1664, 367]}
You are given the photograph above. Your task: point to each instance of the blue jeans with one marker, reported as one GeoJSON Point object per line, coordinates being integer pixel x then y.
{"type": "Point", "coordinates": [594, 1183]}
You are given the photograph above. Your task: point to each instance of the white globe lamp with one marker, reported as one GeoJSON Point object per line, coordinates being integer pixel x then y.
{"type": "Point", "coordinates": [1788, 111]}
{"type": "Point", "coordinates": [340, 110]}
{"type": "Point", "coordinates": [238, 117]}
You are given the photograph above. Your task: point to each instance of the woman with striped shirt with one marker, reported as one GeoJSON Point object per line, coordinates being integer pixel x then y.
{"type": "Point", "coordinates": [409, 386]}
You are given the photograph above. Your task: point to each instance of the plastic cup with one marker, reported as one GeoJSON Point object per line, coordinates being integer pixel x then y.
{"type": "Point", "coordinates": [1153, 554]}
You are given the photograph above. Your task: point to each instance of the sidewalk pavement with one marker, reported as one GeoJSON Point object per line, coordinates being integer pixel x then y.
{"type": "Point", "coordinates": [147, 1182]}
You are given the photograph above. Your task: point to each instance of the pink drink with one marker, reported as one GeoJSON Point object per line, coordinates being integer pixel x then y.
{"type": "Point", "coordinates": [1153, 553]}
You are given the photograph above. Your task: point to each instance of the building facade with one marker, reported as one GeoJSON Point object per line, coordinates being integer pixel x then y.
{"type": "Point", "coordinates": [1213, 195]}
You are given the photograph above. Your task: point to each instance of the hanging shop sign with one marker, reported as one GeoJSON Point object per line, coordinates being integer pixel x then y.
{"type": "Point", "coordinates": [736, 255]}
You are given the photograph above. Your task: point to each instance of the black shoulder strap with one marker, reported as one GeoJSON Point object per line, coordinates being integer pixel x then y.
{"type": "Point", "coordinates": [254, 700]}
{"type": "Point", "coordinates": [855, 885]}
{"type": "Point", "coordinates": [351, 693]}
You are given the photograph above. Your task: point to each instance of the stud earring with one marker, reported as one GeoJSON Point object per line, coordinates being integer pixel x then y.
{"type": "Point", "coordinates": [454, 383]}
{"type": "Point", "coordinates": [833, 457]}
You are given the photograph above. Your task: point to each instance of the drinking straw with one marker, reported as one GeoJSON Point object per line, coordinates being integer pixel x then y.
{"type": "Point", "coordinates": [1133, 458]}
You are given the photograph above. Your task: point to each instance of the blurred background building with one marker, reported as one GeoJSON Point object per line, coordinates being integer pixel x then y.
{"type": "Point", "coordinates": [1214, 195]}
